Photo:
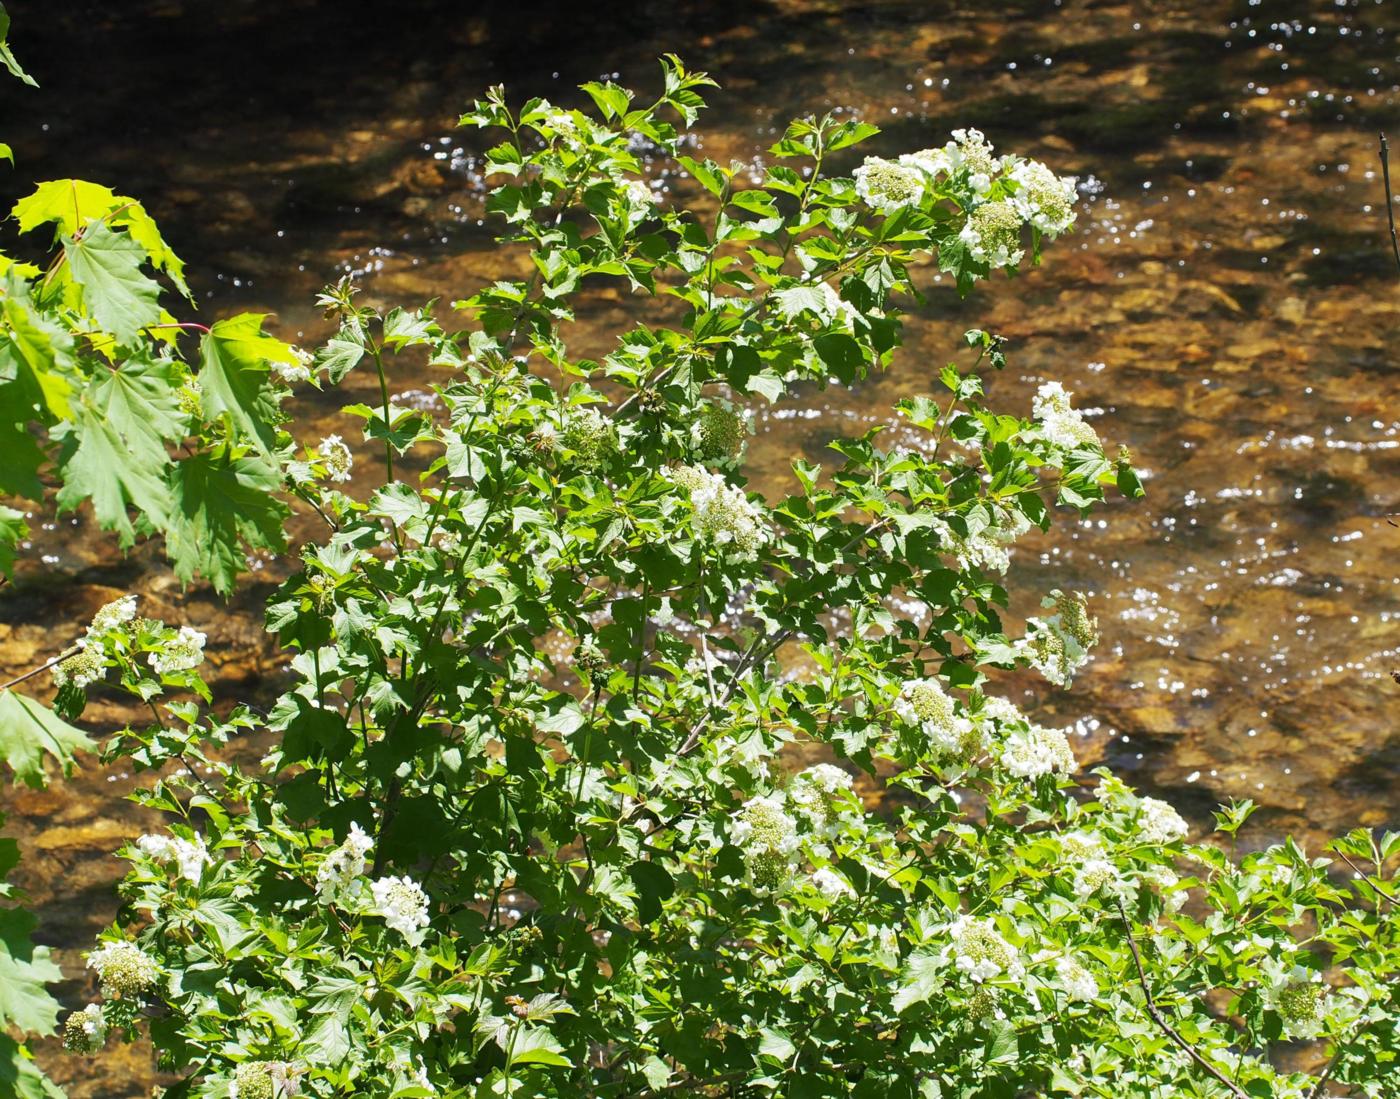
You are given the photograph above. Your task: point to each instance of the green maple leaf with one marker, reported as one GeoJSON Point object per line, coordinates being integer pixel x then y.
{"type": "Point", "coordinates": [19, 1076]}
{"type": "Point", "coordinates": [70, 203]}
{"type": "Point", "coordinates": [234, 357]}
{"type": "Point", "coordinates": [29, 731]}
{"type": "Point", "coordinates": [107, 266]}
{"type": "Point", "coordinates": [24, 971]}
{"type": "Point", "coordinates": [116, 454]}
{"type": "Point", "coordinates": [20, 456]}
{"type": "Point", "coordinates": [221, 505]}
{"type": "Point", "coordinates": [35, 353]}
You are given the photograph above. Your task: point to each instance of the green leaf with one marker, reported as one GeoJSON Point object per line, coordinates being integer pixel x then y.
{"type": "Point", "coordinates": [70, 203]}
{"type": "Point", "coordinates": [24, 971]}
{"type": "Point", "coordinates": [29, 731]}
{"type": "Point", "coordinates": [7, 152]}
{"type": "Point", "coordinates": [35, 353]}
{"type": "Point", "coordinates": [19, 1076]}
{"type": "Point", "coordinates": [233, 377]}
{"type": "Point", "coordinates": [107, 265]}
{"type": "Point", "coordinates": [767, 383]}
{"type": "Point", "coordinates": [6, 57]}
{"type": "Point", "coordinates": [537, 1046]}
{"type": "Point", "coordinates": [222, 507]}
{"type": "Point", "coordinates": [13, 528]}
{"type": "Point", "coordinates": [918, 982]}
{"type": "Point", "coordinates": [116, 455]}
{"type": "Point", "coordinates": [654, 887]}
{"type": "Point", "coordinates": [338, 358]}
{"type": "Point", "coordinates": [20, 457]}
{"type": "Point", "coordinates": [611, 99]}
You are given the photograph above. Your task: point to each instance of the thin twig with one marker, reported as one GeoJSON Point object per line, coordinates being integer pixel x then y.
{"type": "Point", "coordinates": [1389, 202]}
{"type": "Point", "coordinates": [59, 659]}
{"type": "Point", "coordinates": [1369, 880]}
{"type": "Point", "coordinates": [1161, 1020]}
{"type": "Point", "coordinates": [1315, 1091]}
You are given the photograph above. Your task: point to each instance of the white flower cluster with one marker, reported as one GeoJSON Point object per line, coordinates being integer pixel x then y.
{"type": "Point", "coordinates": [992, 234]}
{"type": "Point", "coordinates": [339, 869]}
{"type": "Point", "coordinates": [831, 885]}
{"type": "Point", "coordinates": [189, 856]}
{"type": "Point", "coordinates": [335, 456]}
{"type": "Point", "coordinates": [724, 515]}
{"type": "Point", "coordinates": [590, 435]}
{"type": "Point", "coordinates": [720, 432]}
{"type": "Point", "coordinates": [1159, 823]}
{"type": "Point", "coordinates": [1044, 199]}
{"type": "Point", "coordinates": [1036, 751]}
{"type": "Point", "coordinates": [924, 705]}
{"type": "Point", "coordinates": [82, 669]}
{"type": "Point", "coordinates": [112, 616]}
{"type": "Point", "coordinates": [264, 1080]}
{"type": "Point", "coordinates": [1076, 981]}
{"type": "Point", "coordinates": [181, 654]}
{"type": "Point", "coordinates": [1060, 422]}
{"type": "Point", "coordinates": [978, 950]}
{"type": "Point", "coordinates": [767, 835]}
{"type": "Point", "coordinates": [1058, 645]}
{"type": "Point", "coordinates": [1096, 874]}
{"type": "Point", "coordinates": [123, 969]}
{"type": "Point", "coordinates": [402, 903]}
{"type": "Point", "coordinates": [294, 373]}
{"type": "Point", "coordinates": [85, 1031]}
{"type": "Point", "coordinates": [639, 196]}
{"type": "Point", "coordinates": [1000, 194]}
{"type": "Point", "coordinates": [817, 792]}
{"type": "Point", "coordinates": [888, 185]}
{"type": "Point", "coordinates": [1299, 996]}
{"type": "Point", "coordinates": [987, 544]}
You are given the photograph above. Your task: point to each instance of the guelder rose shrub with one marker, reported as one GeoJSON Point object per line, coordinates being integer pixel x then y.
{"type": "Point", "coordinates": [533, 823]}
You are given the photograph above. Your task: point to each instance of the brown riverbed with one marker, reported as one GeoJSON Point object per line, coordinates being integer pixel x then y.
{"type": "Point", "coordinates": [1228, 304]}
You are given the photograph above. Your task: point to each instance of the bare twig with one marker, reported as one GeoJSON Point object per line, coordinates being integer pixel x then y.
{"type": "Point", "coordinates": [1389, 203]}
{"type": "Point", "coordinates": [1161, 1020]}
{"type": "Point", "coordinates": [1369, 880]}
{"type": "Point", "coordinates": [59, 659]}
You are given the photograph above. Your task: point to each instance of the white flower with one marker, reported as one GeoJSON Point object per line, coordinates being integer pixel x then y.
{"type": "Point", "coordinates": [264, 1080]}
{"type": "Point", "coordinates": [888, 186]}
{"type": "Point", "coordinates": [1299, 996]}
{"type": "Point", "coordinates": [934, 163]}
{"type": "Point", "coordinates": [82, 669]}
{"type": "Point", "coordinates": [181, 654]}
{"type": "Point", "coordinates": [993, 235]}
{"type": "Point", "coordinates": [1078, 983]}
{"type": "Point", "coordinates": [1038, 751]}
{"type": "Point", "coordinates": [299, 371]}
{"type": "Point", "coordinates": [123, 969]}
{"type": "Point", "coordinates": [402, 903]}
{"type": "Point", "coordinates": [85, 1031]}
{"type": "Point", "coordinates": [925, 705]}
{"type": "Point", "coordinates": [336, 458]}
{"type": "Point", "coordinates": [1060, 422]}
{"type": "Point", "coordinates": [1042, 198]}
{"type": "Point", "coordinates": [767, 835]}
{"type": "Point", "coordinates": [986, 544]}
{"type": "Point", "coordinates": [831, 885]}
{"type": "Point", "coordinates": [817, 790]}
{"type": "Point", "coordinates": [971, 152]}
{"type": "Point", "coordinates": [1094, 874]}
{"type": "Point", "coordinates": [978, 950]}
{"type": "Point", "coordinates": [724, 515]}
{"type": "Point", "coordinates": [1159, 822]}
{"type": "Point", "coordinates": [190, 856]}
{"type": "Point", "coordinates": [116, 613]}
{"type": "Point", "coordinates": [343, 865]}
{"type": "Point", "coordinates": [639, 195]}
{"type": "Point", "coordinates": [1058, 645]}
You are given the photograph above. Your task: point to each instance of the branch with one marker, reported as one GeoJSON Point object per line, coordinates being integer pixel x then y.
{"type": "Point", "coordinates": [1389, 204]}
{"type": "Point", "coordinates": [59, 659]}
{"type": "Point", "coordinates": [1161, 1020]}
{"type": "Point", "coordinates": [1369, 880]}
